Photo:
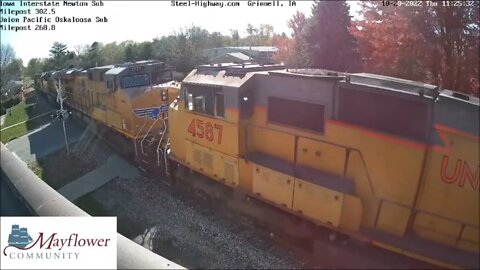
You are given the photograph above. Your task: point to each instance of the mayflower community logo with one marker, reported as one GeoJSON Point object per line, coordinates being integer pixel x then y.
{"type": "Point", "coordinates": [58, 242]}
{"type": "Point", "coordinates": [20, 239]}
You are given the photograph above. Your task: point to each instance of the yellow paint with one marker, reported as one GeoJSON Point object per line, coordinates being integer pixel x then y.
{"type": "Point", "coordinates": [394, 169]}
{"type": "Point", "coordinates": [319, 203]}
{"type": "Point", "coordinates": [470, 238]}
{"type": "Point", "coordinates": [99, 115]}
{"type": "Point", "coordinates": [245, 174]}
{"type": "Point", "coordinates": [356, 170]}
{"type": "Point", "coordinates": [436, 228]}
{"type": "Point", "coordinates": [273, 143]}
{"type": "Point", "coordinates": [393, 218]}
{"type": "Point", "coordinates": [114, 120]}
{"type": "Point", "coordinates": [212, 163]}
{"type": "Point", "coordinates": [351, 217]}
{"type": "Point", "coordinates": [272, 185]}
{"type": "Point", "coordinates": [321, 156]}
{"type": "Point", "coordinates": [227, 143]}
{"type": "Point", "coordinates": [449, 199]}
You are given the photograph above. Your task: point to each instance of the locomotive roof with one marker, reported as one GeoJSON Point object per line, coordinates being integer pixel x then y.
{"type": "Point", "coordinates": [229, 74]}
{"type": "Point", "coordinates": [460, 97]}
{"type": "Point", "coordinates": [101, 68]}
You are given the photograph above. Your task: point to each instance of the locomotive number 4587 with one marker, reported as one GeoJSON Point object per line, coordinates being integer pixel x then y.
{"type": "Point", "coordinates": [201, 129]}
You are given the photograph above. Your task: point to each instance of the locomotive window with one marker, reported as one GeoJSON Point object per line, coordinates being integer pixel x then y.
{"type": "Point", "coordinates": [135, 80]}
{"type": "Point", "coordinates": [219, 104]}
{"type": "Point", "coordinates": [394, 115]}
{"type": "Point", "coordinates": [296, 113]}
{"type": "Point", "coordinates": [202, 99]}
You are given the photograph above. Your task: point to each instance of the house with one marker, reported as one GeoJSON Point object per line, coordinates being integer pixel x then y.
{"type": "Point", "coordinates": [235, 57]}
{"type": "Point", "coordinates": [258, 54]}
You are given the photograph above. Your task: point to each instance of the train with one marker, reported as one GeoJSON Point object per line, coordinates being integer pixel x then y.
{"type": "Point", "coordinates": [389, 161]}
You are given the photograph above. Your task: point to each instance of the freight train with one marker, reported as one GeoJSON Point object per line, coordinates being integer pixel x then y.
{"type": "Point", "coordinates": [385, 160]}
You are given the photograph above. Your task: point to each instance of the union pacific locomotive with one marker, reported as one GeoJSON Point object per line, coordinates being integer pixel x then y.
{"type": "Point", "coordinates": [386, 160]}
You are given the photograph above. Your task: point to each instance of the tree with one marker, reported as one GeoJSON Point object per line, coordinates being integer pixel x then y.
{"type": "Point", "coordinates": [331, 45]}
{"type": "Point", "coordinates": [130, 53]}
{"type": "Point", "coordinates": [438, 45]}
{"type": "Point", "coordinates": [235, 37]}
{"type": "Point", "coordinates": [145, 50]}
{"type": "Point", "coordinates": [9, 70]}
{"type": "Point", "coordinates": [93, 58]}
{"type": "Point", "coordinates": [59, 54]}
{"type": "Point", "coordinates": [388, 42]}
{"type": "Point", "coordinates": [452, 37]}
{"type": "Point", "coordinates": [34, 67]}
{"type": "Point", "coordinates": [113, 53]}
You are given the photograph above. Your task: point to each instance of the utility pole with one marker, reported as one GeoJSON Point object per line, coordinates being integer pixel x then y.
{"type": "Point", "coordinates": [62, 113]}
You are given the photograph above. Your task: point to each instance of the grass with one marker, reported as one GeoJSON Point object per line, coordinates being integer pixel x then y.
{"type": "Point", "coordinates": [18, 114]}
{"type": "Point", "coordinates": [91, 206]}
{"type": "Point", "coordinates": [60, 168]}
{"type": "Point", "coordinates": [36, 169]}
{"type": "Point", "coordinates": [22, 112]}
{"type": "Point", "coordinates": [13, 133]}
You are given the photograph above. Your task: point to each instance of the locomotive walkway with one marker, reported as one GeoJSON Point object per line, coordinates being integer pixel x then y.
{"type": "Point", "coordinates": [114, 168]}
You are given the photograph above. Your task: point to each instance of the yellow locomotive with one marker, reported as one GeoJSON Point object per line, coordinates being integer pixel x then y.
{"type": "Point", "coordinates": [130, 99]}
{"type": "Point", "coordinates": [390, 161]}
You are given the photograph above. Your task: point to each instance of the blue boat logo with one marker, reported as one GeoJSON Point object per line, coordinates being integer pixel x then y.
{"type": "Point", "coordinates": [151, 113]}
{"type": "Point", "coordinates": [19, 237]}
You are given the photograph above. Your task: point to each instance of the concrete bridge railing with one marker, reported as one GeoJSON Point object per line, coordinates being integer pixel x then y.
{"type": "Point", "coordinates": [43, 200]}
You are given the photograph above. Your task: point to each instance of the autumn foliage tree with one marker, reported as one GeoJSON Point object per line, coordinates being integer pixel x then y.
{"type": "Point", "coordinates": [438, 44]}
{"type": "Point", "coordinates": [330, 43]}
{"type": "Point", "coordinates": [293, 51]}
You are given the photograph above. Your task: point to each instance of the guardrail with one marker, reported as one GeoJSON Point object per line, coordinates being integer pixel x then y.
{"type": "Point", "coordinates": [45, 201]}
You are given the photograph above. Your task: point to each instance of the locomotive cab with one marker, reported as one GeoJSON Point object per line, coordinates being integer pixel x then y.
{"type": "Point", "coordinates": [137, 96]}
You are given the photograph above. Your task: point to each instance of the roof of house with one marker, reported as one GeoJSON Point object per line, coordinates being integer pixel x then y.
{"type": "Point", "coordinates": [255, 48]}
{"type": "Point", "coordinates": [239, 55]}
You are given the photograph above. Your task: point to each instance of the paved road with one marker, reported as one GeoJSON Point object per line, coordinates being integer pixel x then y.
{"type": "Point", "coordinates": [44, 140]}
{"type": "Point", "coordinates": [113, 169]}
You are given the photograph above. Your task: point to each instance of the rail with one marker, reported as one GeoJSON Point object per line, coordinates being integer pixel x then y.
{"type": "Point", "coordinates": [45, 201]}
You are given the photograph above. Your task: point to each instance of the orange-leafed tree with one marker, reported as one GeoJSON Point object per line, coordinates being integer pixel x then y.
{"type": "Point", "coordinates": [330, 43]}
{"type": "Point", "coordinates": [438, 44]}
{"type": "Point", "coordinates": [293, 51]}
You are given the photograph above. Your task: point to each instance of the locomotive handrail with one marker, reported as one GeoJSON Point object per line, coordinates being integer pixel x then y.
{"type": "Point", "coordinates": [165, 129]}
{"type": "Point", "coordinates": [165, 156]}
{"type": "Point", "coordinates": [146, 134]}
{"type": "Point", "coordinates": [136, 136]}
{"type": "Point", "coordinates": [364, 165]}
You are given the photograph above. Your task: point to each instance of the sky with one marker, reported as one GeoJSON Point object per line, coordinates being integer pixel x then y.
{"type": "Point", "coordinates": [143, 20]}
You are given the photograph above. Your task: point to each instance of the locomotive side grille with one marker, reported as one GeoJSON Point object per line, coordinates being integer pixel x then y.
{"type": "Point", "coordinates": [197, 156]}
{"type": "Point", "coordinates": [207, 160]}
{"type": "Point", "coordinates": [228, 171]}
